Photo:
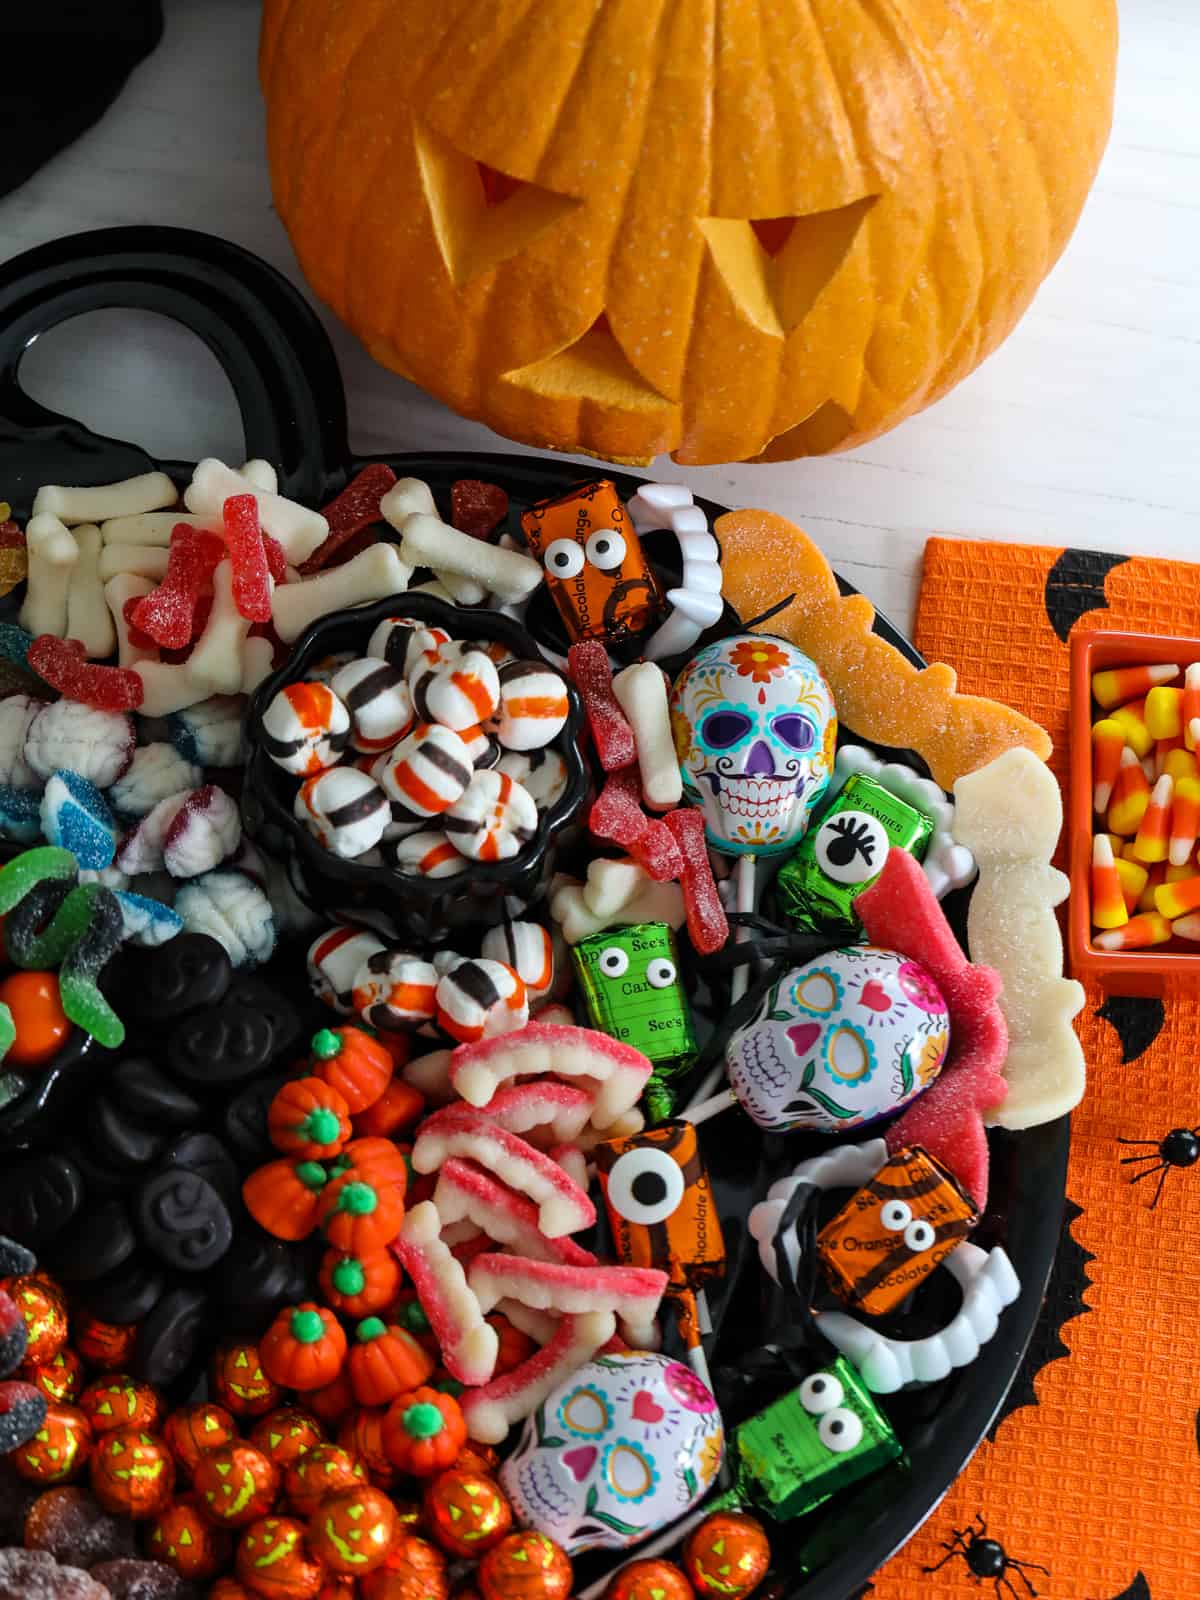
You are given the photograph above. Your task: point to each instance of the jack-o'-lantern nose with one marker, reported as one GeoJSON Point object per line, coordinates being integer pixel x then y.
{"type": "Point", "coordinates": [760, 763]}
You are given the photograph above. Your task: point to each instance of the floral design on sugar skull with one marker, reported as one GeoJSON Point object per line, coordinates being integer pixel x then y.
{"type": "Point", "coordinates": [755, 731]}
{"type": "Point", "coordinates": [625, 1446]}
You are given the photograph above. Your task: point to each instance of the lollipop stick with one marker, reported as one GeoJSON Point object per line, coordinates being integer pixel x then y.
{"type": "Point", "coordinates": [702, 1110]}
{"type": "Point", "coordinates": [739, 983]}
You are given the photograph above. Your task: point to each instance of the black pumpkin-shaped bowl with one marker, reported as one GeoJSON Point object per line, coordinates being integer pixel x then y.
{"type": "Point", "coordinates": [401, 905]}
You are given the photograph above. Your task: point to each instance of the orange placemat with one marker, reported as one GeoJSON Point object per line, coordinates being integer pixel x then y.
{"type": "Point", "coordinates": [1092, 1478]}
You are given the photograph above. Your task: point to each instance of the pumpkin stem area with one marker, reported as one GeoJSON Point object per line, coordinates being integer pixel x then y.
{"type": "Point", "coordinates": [348, 1276]}
{"type": "Point", "coordinates": [320, 1126]}
{"type": "Point", "coordinates": [423, 1421]}
{"type": "Point", "coordinates": [308, 1327]}
{"type": "Point", "coordinates": [312, 1175]}
{"type": "Point", "coordinates": [326, 1044]}
{"type": "Point", "coordinates": [359, 1199]}
{"type": "Point", "coordinates": [370, 1328]}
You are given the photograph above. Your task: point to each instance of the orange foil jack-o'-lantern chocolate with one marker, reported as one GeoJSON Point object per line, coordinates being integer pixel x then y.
{"type": "Point", "coordinates": [285, 1435]}
{"type": "Point", "coordinates": [120, 1401]}
{"type": "Point", "coordinates": [238, 1381]}
{"type": "Point", "coordinates": [192, 1430]}
{"type": "Point", "coordinates": [182, 1536]}
{"type": "Point", "coordinates": [353, 1530]}
{"type": "Point", "coordinates": [596, 570]}
{"type": "Point", "coordinates": [133, 1473]}
{"type": "Point", "coordinates": [60, 1378]}
{"type": "Point", "coordinates": [59, 1450]}
{"type": "Point", "coordinates": [105, 1345]}
{"type": "Point", "coordinates": [235, 1483]}
{"type": "Point", "coordinates": [274, 1560]}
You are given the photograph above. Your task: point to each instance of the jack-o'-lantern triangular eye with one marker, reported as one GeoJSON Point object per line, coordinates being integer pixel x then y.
{"type": "Point", "coordinates": [481, 216]}
{"type": "Point", "coordinates": [775, 267]}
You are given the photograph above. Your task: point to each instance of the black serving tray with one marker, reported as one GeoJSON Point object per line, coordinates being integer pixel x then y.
{"type": "Point", "coordinates": [285, 375]}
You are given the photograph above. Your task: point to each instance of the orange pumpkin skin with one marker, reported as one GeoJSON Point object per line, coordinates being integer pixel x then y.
{"type": "Point", "coordinates": [192, 1430]}
{"type": "Point", "coordinates": [308, 1118]}
{"type": "Point", "coordinates": [384, 1362]}
{"type": "Point", "coordinates": [353, 1530]}
{"type": "Point", "coordinates": [415, 1570]}
{"type": "Point", "coordinates": [333, 1401]}
{"type": "Point", "coordinates": [230, 1589]}
{"type": "Point", "coordinates": [358, 1286]}
{"type": "Point", "coordinates": [397, 1107]}
{"type": "Point", "coordinates": [133, 1473]}
{"type": "Point", "coordinates": [621, 302]}
{"type": "Point", "coordinates": [376, 1160]}
{"type": "Point", "coordinates": [423, 1432]}
{"type": "Point", "coordinates": [284, 1197]}
{"type": "Point", "coordinates": [304, 1347]}
{"type": "Point", "coordinates": [274, 1560]}
{"type": "Point", "coordinates": [353, 1063]}
{"type": "Point", "coordinates": [360, 1215]}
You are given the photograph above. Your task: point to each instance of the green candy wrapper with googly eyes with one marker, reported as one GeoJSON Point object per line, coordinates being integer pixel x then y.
{"type": "Point", "coordinates": [843, 853]}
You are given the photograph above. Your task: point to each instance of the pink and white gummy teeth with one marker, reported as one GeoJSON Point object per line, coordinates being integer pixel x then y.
{"type": "Point", "coordinates": [469, 1344]}
{"type": "Point", "coordinates": [632, 1293]}
{"type": "Point", "coordinates": [563, 1207]}
{"type": "Point", "coordinates": [619, 1071]}
{"type": "Point", "coordinates": [467, 1194]}
{"type": "Point", "coordinates": [491, 1410]}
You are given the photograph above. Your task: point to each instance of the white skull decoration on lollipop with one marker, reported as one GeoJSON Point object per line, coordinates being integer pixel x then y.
{"type": "Point", "coordinates": [755, 730]}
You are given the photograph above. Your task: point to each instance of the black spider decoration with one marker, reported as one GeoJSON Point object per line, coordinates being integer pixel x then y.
{"type": "Point", "coordinates": [986, 1558]}
{"type": "Point", "coordinates": [1180, 1148]}
{"type": "Point", "coordinates": [854, 838]}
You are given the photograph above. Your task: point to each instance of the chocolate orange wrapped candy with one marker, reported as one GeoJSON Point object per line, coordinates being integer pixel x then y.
{"type": "Point", "coordinates": [133, 1473]}
{"type": "Point", "coordinates": [649, 1580]}
{"type": "Point", "coordinates": [525, 1566]}
{"type": "Point", "coordinates": [59, 1450]}
{"type": "Point", "coordinates": [120, 1402]}
{"type": "Point", "coordinates": [182, 1536]}
{"type": "Point", "coordinates": [193, 1429]}
{"type": "Point", "coordinates": [285, 1435]}
{"type": "Point", "coordinates": [60, 1378]}
{"type": "Point", "coordinates": [414, 1570]}
{"type": "Point", "coordinates": [466, 1512]}
{"type": "Point", "coordinates": [237, 1380]}
{"type": "Point", "coordinates": [235, 1483]}
{"type": "Point", "coordinates": [43, 1309]}
{"type": "Point", "coordinates": [353, 1530]}
{"type": "Point", "coordinates": [273, 1559]}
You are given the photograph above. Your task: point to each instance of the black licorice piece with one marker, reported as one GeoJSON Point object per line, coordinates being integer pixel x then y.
{"type": "Point", "coordinates": [204, 1153]}
{"type": "Point", "coordinates": [38, 1197]}
{"type": "Point", "coordinates": [253, 994]}
{"type": "Point", "coordinates": [186, 973]}
{"type": "Point", "coordinates": [244, 1122]}
{"type": "Point", "coordinates": [101, 1179]}
{"type": "Point", "coordinates": [99, 1241]}
{"type": "Point", "coordinates": [183, 1220]}
{"type": "Point", "coordinates": [118, 1138]}
{"type": "Point", "coordinates": [126, 1295]}
{"type": "Point", "coordinates": [257, 1276]}
{"type": "Point", "coordinates": [146, 1091]}
{"type": "Point", "coordinates": [215, 1048]}
{"type": "Point", "coordinates": [169, 1338]}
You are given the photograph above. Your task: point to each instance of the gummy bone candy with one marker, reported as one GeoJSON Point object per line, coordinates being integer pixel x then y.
{"type": "Point", "coordinates": [469, 1344]}
{"type": "Point", "coordinates": [88, 618]}
{"type": "Point", "coordinates": [641, 692]}
{"type": "Point", "coordinates": [148, 491]}
{"type": "Point", "coordinates": [477, 1070]}
{"type": "Point", "coordinates": [459, 1131]}
{"type": "Point", "coordinates": [372, 575]}
{"type": "Point", "coordinates": [428, 542]}
{"type": "Point", "coordinates": [988, 1285]}
{"type": "Point", "coordinates": [633, 1294]}
{"type": "Point", "coordinates": [491, 1410]}
{"type": "Point", "coordinates": [299, 530]}
{"type": "Point", "coordinates": [52, 554]}
{"type": "Point", "coordinates": [1009, 814]}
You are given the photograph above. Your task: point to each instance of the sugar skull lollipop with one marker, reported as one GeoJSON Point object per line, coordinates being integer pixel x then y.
{"type": "Point", "coordinates": [626, 1445]}
{"type": "Point", "coordinates": [847, 1038]}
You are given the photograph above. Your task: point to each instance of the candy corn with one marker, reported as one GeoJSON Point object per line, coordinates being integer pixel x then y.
{"type": "Point", "coordinates": [1155, 827]}
{"type": "Point", "coordinates": [1185, 821]}
{"type": "Point", "coordinates": [1164, 712]}
{"type": "Point", "coordinates": [1118, 685]}
{"type": "Point", "coordinates": [1157, 874]}
{"type": "Point", "coordinates": [1137, 934]}
{"type": "Point", "coordinates": [1133, 876]}
{"type": "Point", "coordinates": [1162, 749]}
{"type": "Point", "coordinates": [1191, 706]}
{"type": "Point", "coordinates": [1187, 927]}
{"type": "Point", "coordinates": [1132, 720]}
{"type": "Point", "coordinates": [1181, 764]}
{"type": "Point", "coordinates": [1108, 740]}
{"type": "Point", "coordinates": [1108, 897]}
{"type": "Point", "coordinates": [1130, 796]}
{"type": "Point", "coordinates": [1177, 899]}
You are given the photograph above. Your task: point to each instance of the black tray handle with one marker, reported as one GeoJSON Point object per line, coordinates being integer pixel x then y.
{"type": "Point", "coordinates": [267, 338]}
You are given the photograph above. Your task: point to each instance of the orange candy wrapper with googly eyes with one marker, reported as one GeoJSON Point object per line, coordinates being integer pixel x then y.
{"type": "Point", "coordinates": [596, 573]}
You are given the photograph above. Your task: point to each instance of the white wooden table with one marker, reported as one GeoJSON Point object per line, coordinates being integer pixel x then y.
{"type": "Point", "coordinates": [1083, 429]}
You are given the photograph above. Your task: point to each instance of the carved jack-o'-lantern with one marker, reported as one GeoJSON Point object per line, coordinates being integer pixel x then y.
{"type": "Point", "coordinates": [726, 230]}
